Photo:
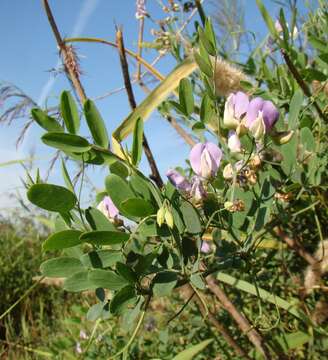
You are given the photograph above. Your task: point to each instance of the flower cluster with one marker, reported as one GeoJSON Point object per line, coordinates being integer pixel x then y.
{"type": "Point", "coordinates": [242, 115]}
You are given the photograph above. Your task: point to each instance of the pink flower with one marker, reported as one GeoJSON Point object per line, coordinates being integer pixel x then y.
{"type": "Point", "coordinates": [107, 207]}
{"type": "Point", "coordinates": [178, 180]}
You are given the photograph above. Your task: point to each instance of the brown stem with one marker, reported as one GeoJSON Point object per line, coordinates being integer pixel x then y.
{"type": "Point", "coordinates": [253, 335]}
{"type": "Point", "coordinates": [301, 82]}
{"type": "Point", "coordinates": [127, 82]}
{"type": "Point", "coordinates": [212, 319]}
{"type": "Point", "coordinates": [66, 54]}
{"type": "Point", "coordinates": [294, 244]}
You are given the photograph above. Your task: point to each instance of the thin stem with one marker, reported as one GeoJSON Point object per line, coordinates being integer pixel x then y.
{"type": "Point", "coordinates": [127, 81]}
{"type": "Point", "coordinates": [140, 39]}
{"type": "Point", "coordinates": [72, 75]}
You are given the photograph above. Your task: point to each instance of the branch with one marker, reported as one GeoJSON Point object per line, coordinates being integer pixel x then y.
{"type": "Point", "coordinates": [125, 70]}
{"type": "Point", "coordinates": [67, 55]}
{"type": "Point", "coordinates": [253, 335]}
{"type": "Point", "coordinates": [301, 82]}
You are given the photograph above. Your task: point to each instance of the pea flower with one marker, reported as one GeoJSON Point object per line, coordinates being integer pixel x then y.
{"type": "Point", "coordinates": [178, 180]}
{"type": "Point", "coordinates": [107, 207]}
{"type": "Point", "coordinates": [205, 159]}
{"type": "Point", "coordinates": [261, 117]}
{"type": "Point", "coordinates": [205, 248]}
{"type": "Point", "coordinates": [234, 111]}
{"type": "Point", "coordinates": [197, 191]}
{"type": "Point", "coordinates": [234, 142]}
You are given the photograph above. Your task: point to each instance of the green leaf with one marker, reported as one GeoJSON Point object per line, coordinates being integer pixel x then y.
{"type": "Point", "coordinates": [206, 41]}
{"type": "Point", "coordinates": [96, 124]}
{"type": "Point", "coordinates": [209, 33]}
{"type": "Point", "coordinates": [186, 97]}
{"type": "Point", "coordinates": [192, 351]}
{"type": "Point", "coordinates": [66, 142]}
{"type": "Point", "coordinates": [118, 168]}
{"type": "Point", "coordinates": [155, 98]}
{"type": "Point", "coordinates": [267, 18]}
{"type": "Point", "coordinates": [95, 312]}
{"type": "Point", "coordinates": [203, 65]}
{"type": "Point", "coordinates": [307, 139]}
{"type": "Point", "coordinates": [121, 299]}
{"type": "Point", "coordinates": [106, 279]}
{"type": "Point", "coordinates": [294, 109]}
{"type": "Point", "coordinates": [104, 237]}
{"type": "Point", "coordinates": [67, 179]}
{"type": "Point", "coordinates": [197, 281]}
{"type": "Point", "coordinates": [137, 142]}
{"type": "Point", "coordinates": [141, 187]}
{"type": "Point", "coordinates": [293, 340]}
{"type": "Point", "coordinates": [126, 271]}
{"type": "Point", "coordinates": [61, 267]}
{"type": "Point", "coordinates": [264, 295]}
{"type": "Point", "coordinates": [137, 207]}
{"type": "Point", "coordinates": [164, 283]}
{"type": "Point", "coordinates": [45, 121]}
{"type": "Point", "coordinates": [101, 258]}
{"type": "Point", "coordinates": [118, 190]}
{"type": "Point", "coordinates": [62, 240]}
{"type": "Point", "coordinates": [206, 109]}
{"type": "Point", "coordinates": [51, 197]}
{"type": "Point", "coordinates": [79, 282]}
{"type": "Point", "coordinates": [69, 112]}
{"type": "Point", "coordinates": [98, 221]}
{"type": "Point", "coordinates": [190, 217]}
{"type": "Point", "coordinates": [150, 228]}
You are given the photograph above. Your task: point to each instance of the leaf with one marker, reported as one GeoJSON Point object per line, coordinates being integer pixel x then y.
{"type": "Point", "coordinates": [67, 179]}
{"type": "Point", "coordinates": [95, 312]}
{"type": "Point", "coordinates": [45, 121]}
{"type": "Point", "coordinates": [79, 282]}
{"type": "Point", "coordinates": [294, 109]}
{"type": "Point", "coordinates": [155, 98]}
{"type": "Point", "coordinates": [186, 97]}
{"type": "Point", "coordinates": [293, 340]}
{"type": "Point", "coordinates": [206, 110]}
{"type": "Point", "coordinates": [203, 65]}
{"type": "Point", "coordinates": [51, 197]}
{"type": "Point", "coordinates": [62, 240]}
{"type": "Point", "coordinates": [66, 142]}
{"type": "Point", "coordinates": [101, 258]}
{"type": "Point", "coordinates": [137, 207]}
{"type": "Point", "coordinates": [106, 279]}
{"type": "Point", "coordinates": [61, 267]}
{"type": "Point", "coordinates": [191, 218]}
{"type": "Point", "coordinates": [126, 271]}
{"type": "Point", "coordinates": [206, 41]}
{"type": "Point", "coordinates": [137, 142]}
{"type": "Point", "coordinates": [141, 187]}
{"type": "Point", "coordinates": [104, 237]}
{"type": "Point", "coordinates": [69, 112]}
{"type": "Point", "coordinates": [150, 228]}
{"type": "Point", "coordinates": [264, 295]}
{"type": "Point", "coordinates": [192, 351]}
{"type": "Point", "coordinates": [209, 33]}
{"type": "Point", "coordinates": [307, 139]}
{"type": "Point", "coordinates": [96, 124]}
{"type": "Point", "coordinates": [121, 298]}
{"type": "Point", "coordinates": [164, 283]}
{"type": "Point", "coordinates": [98, 221]}
{"type": "Point", "coordinates": [118, 168]}
{"type": "Point", "coordinates": [267, 18]}
{"type": "Point", "coordinates": [118, 190]}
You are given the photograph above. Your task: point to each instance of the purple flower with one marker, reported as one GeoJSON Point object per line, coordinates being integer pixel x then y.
{"type": "Point", "coordinates": [197, 189]}
{"type": "Point", "coordinates": [205, 248]}
{"type": "Point", "coordinates": [178, 180]}
{"type": "Point", "coordinates": [261, 113]}
{"type": "Point", "coordinates": [205, 159]}
{"type": "Point", "coordinates": [107, 207]}
{"type": "Point", "coordinates": [234, 142]}
{"type": "Point", "coordinates": [235, 109]}
{"type": "Point", "coordinates": [141, 9]}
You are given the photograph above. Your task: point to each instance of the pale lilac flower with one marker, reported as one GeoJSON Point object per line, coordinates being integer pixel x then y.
{"type": "Point", "coordinates": [205, 159]}
{"type": "Point", "coordinates": [141, 9]}
{"type": "Point", "coordinates": [83, 335]}
{"type": "Point", "coordinates": [235, 109]}
{"type": "Point", "coordinates": [261, 117]}
{"type": "Point", "coordinates": [205, 248]}
{"type": "Point", "coordinates": [107, 207]}
{"type": "Point", "coordinates": [178, 180]}
{"type": "Point", "coordinates": [233, 142]}
{"type": "Point", "coordinates": [197, 189]}
{"type": "Point", "coordinates": [78, 348]}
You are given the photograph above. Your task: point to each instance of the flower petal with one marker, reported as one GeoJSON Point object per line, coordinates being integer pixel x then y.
{"type": "Point", "coordinates": [195, 157]}
{"type": "Point", "coordinates": [254, 107]}
{"type": "Point", "coordinates": [270, 115]}
{"type": "Point", "coordinates": [241, 103]}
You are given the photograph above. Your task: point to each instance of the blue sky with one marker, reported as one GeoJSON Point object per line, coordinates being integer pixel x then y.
{"type": "Point", "coordinates": [29, 52]}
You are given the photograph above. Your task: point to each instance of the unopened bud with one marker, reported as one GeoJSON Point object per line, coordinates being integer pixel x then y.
{"type": "Point", "coordinates": [282, 137]}
{"type": "Point", "coordinates": [257, 128]}
{"type": "Point", "coordinates": [169, 219]}
{"type": "Point", "coordinates": [160, 216]}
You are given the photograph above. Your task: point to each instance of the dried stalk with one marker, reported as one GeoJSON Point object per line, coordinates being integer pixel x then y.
{"type": "Point", "coordinates": [127, 82]}
{"type": "Point", "coordinates": [253, 335]}
{"type": "Point", "coordinates": [66, 55]}
{"type": "Point", "coordinates": [140, 39]}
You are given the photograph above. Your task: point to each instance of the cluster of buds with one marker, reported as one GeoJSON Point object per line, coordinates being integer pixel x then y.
{"type": "Point", "coordinates": [173, 7]}
{"type": "Point", "coordinates": [284, 197]}
{"type": "Point", "coordinates": [205, 160]}
{"type": "Point", "coordinates": [164, 215]}
{"type": "Point", "coordinates": [236, 205]}
{"type": "Point", "coordinates": [141, 9]}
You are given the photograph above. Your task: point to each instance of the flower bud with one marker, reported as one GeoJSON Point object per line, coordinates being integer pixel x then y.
{"type": "Point", "coordinates": [197, 189]}
{"type": "Point", "coordinates": [178, 180]}
{"type": "Point", "coordinates": [257, 128]}
{"type": "Point", "coordinates": [169, 218]}
{"type": "Point", "coordinates": [228, 172]}
{"type": "Point", "coordinates": [234, 142]}
{"type": "Point", "coordinates": [205, 248]}
{"type": "Point", "coordinates": [234, 110]}
{"type": "Point", "coordinates": [160, 217]}
{"type": "Point", "coordinates": [282, 137]}
{"type": "Point", "coordinates": [107, 207]}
